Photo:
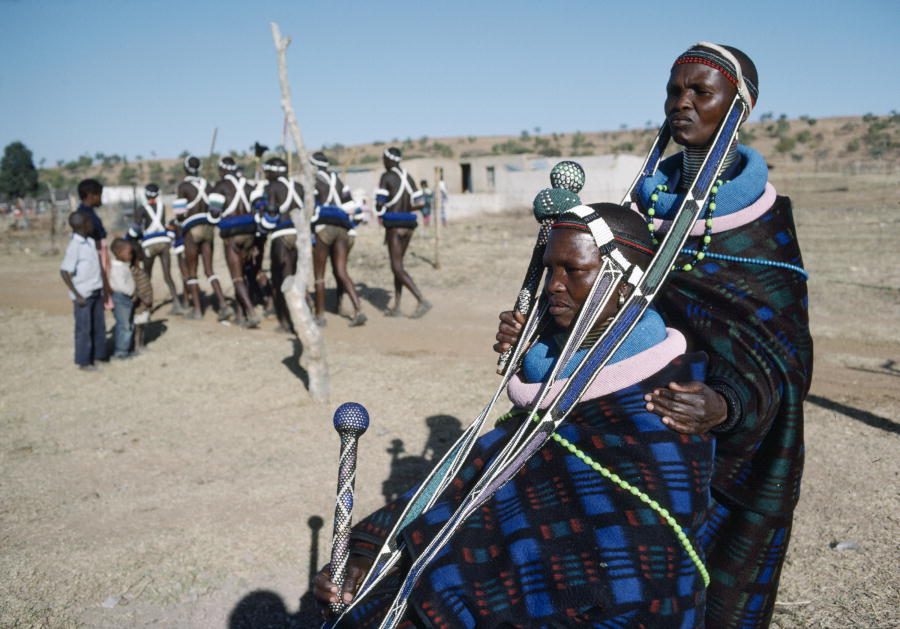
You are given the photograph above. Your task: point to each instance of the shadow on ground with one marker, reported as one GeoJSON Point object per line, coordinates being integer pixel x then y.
{"type": "Point", "coordinates": [870, 419]}
{"type": "Point", "coordinates": [292, 362]}
{"type": "Point", "coordinates": [264, 609]}
{"type": "Point", "coordinates": [378, 297]}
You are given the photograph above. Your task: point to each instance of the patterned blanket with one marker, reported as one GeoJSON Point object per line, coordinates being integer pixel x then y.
{"type": "Point", "coordinates": [752, 320]}
{"type": "Point", "coordinates": [560, 546]}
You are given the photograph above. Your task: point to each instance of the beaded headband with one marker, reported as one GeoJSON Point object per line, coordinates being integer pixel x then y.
{"type": "Point", "coordinates": [216, 200]}
{"type": "Point", "coordinates": [721, 59]}
{"type": "Point", "coordinates": [569, 220]}
{"type": "Point", "coordinates": [151, 193]}
{"type": "Point", "coordinates": [391, 155]}
{"type": "Point", "coordinates": [190, 169]}
{"type": "Point", "coordinates": [274, 167]}
{"type": "Point", "coordinates": [323, 162]}
{"type": "Point", "coordinates": [226, 166]}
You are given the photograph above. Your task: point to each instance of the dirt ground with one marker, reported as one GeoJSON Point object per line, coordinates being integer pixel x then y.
{"type": "Point", "coordinates": [189, 487]}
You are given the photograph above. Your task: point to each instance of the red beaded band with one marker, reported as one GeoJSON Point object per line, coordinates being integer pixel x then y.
{"type": "Point", "coordinates": [634, 245]}
{"type": "Point", "coordinates": [715, 66]}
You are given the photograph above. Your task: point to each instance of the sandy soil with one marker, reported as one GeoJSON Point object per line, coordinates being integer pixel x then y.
{"type": "Point", "coordinates": [188, 487]}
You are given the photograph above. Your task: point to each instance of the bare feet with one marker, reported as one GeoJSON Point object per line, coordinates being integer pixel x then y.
{"type": "Point", "coordinates": [423, 307]}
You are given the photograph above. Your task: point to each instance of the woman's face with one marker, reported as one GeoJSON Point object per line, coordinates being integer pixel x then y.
{"type": "Point", "coordinates": [573, 262]}
{"type": "Point", "coordinates": [697, 99]}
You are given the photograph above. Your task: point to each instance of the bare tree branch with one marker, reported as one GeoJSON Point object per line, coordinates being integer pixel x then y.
{"type": "Point", "coordinates": [294, 287]}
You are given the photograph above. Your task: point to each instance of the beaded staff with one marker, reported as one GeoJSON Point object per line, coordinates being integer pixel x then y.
{"type": "Point", "coordinates": [350, 421]}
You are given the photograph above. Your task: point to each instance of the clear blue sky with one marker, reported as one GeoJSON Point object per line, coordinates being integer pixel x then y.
{"type": "Point", "coordinates": [152, 76]}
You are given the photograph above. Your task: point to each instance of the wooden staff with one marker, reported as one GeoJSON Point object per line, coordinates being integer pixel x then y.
{"type": "Point", "coordinates": [436, 208]}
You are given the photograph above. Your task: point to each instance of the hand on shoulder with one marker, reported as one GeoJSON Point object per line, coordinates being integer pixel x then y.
{"type": "Point", "coordinates": [691, 407]}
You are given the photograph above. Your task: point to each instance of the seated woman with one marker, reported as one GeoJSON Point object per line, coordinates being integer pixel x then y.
{"type": "Point", "coordinates": [602, 524]}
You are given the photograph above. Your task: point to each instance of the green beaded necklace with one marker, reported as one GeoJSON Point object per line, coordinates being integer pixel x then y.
{"type": "Point", "coordinates": [707, 217]}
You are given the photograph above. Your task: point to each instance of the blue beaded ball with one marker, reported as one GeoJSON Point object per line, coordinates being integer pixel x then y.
{"type": "Point", "coordinates": [351, 417]}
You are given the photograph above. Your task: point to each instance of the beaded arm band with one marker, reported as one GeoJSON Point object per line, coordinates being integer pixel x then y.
{"type": "Point", "coordinates": [732, 401]}
{"type": "Point", "coordinates": [625, 485]}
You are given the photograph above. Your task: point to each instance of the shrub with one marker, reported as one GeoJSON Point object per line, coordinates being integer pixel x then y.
{"type": "Point", "coordinates": [785, 145]}
{"type": "Point", "coordinates": [127, 175]}
{"type": "Point", "coordinates": [510, 147]}
{"type": "Point", "coordinates": [444, 150]}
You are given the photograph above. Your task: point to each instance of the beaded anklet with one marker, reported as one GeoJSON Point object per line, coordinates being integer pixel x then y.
{"type": "Point", "coordinates": [637, 493]}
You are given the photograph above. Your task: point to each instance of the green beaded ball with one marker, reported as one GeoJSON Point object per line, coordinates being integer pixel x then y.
{"type": "Point", "coordinates": [567, 175]}
{"type": "Point", "coordinates": [551, 202]}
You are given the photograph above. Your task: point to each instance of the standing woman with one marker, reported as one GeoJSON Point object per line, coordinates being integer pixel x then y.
{"type": "Point", "coordinates": [740, 295]}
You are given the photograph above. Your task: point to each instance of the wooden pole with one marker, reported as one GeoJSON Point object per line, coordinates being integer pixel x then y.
{"type": "Point", "coordinates": [284, 145]}
{"type": "Point", "coordinates": [210, 168]}
{"type": "Point", "coordinates": [294, 287]}
{"type": "Point", "coordinates": [436, 208]}
{"type": "Point", "coordinates": [53, 214]}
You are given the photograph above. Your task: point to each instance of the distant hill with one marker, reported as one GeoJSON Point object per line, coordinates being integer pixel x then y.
{"type": "Point", "coordinates": [854, 144]}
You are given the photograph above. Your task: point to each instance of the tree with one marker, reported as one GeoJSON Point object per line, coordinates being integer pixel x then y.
{"type": "Point", "coordinates": [18, 176]}
{"type": "Point", "coordinates": [127, 175]}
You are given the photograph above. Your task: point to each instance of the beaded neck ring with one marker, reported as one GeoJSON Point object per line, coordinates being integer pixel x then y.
{"type": "Point", "coordinates": [707, 217]}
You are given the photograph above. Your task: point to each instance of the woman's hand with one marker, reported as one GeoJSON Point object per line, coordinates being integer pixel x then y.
{"type": "Point", "coordinates": [326, 591]}
{"type": "Point", "coordinates": [509, 330]}
{"type": "Point", "coordinates": [691, 408]}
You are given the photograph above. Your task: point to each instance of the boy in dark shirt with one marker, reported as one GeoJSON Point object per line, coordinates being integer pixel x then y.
{"type": "Point", "coordinates": [90, 192]}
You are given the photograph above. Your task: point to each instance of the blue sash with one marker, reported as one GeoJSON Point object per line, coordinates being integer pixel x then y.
{"type": "Point", "coordinates": [237, 225]}
{"type": "Point", "coordinates": [399, 219]}
{"type": "Point", "coordinates": [155, 237]}
{"type": "Point", "coordinates": [195, 219]}
{"type": "Point", "coordinates": [333, 215]}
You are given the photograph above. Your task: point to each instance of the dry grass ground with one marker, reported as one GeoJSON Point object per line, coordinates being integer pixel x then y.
{"type": "Point", "coordinates": [182, 488]}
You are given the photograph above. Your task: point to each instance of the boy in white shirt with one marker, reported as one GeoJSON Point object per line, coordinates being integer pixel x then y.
{"type": "Point", "coordinates": [81, 272]}
{"type": "Point", "coordinates": [121, 283]}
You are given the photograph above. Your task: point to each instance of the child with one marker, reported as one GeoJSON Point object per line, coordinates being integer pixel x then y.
{"type": "Point", "coordinates": [90, 192]}
{"type": "Point", "coordinates": [143, 302]}
{"type": "Point", "coordinates": [428, 198]}
{"type": "Point", "coordinates": [80, 270]}
{"type": "Point", "coordinates": [122, 285]}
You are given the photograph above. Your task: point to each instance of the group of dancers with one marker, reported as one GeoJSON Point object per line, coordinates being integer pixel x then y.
{"type": "Point", "coordinates": [251, 214]}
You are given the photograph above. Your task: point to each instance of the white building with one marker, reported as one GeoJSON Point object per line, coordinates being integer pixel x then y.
{"type": "Point", "coordinates": [494, 183]}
